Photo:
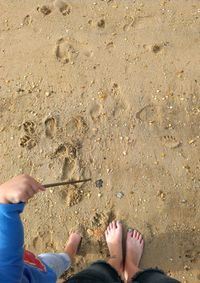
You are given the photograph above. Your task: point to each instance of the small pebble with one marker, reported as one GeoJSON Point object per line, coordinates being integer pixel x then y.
{"type": "Point", "coordinates": [120, 195]}
{"type": "Point", "coordinates": [47, 93]}
{"type": "Point", "coordinates": [191, 141]}
{"type": "Point", "coordinates": [99, 183]}
{"type": "Point", "coordinates": [99, 195]}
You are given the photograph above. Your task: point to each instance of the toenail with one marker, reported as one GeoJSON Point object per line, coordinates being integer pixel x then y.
{"type": "Point", "coordinates": [130, 229]}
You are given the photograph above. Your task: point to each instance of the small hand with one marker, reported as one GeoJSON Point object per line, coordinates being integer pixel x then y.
{"type": "Point", "coordinates": [19, 189]}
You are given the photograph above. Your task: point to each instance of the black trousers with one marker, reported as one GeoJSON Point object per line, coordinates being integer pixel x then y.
{"type": "Point", "coordinates": [101, 271]}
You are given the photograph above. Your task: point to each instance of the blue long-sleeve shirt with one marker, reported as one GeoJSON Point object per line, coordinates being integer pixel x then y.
{"type": "Point", "coordinates": [13, 269]}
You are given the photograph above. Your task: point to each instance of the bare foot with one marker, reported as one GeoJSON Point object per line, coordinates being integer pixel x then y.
{"type": "Point", "coordinates": [113, 235]}
{"type": "Point", "coordinates": [73, 244]}
{"type": "Point", "coordinates": [134, 250]}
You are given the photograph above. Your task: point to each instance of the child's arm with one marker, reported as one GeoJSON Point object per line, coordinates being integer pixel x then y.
{"type": "Point", "coordinates": [13, 194]}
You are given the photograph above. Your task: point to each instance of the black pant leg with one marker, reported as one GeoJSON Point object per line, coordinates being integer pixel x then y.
{"type": "Point", "coordinates": [97, 272]}
{"type": "Point", "coordinates": [153, 276]}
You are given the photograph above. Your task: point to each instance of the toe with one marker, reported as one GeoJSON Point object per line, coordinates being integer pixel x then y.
{"type": "Point", "coordinates": [108, 229]}
{"type": "Point", "coordinates": [142, 242]}
{"type": "Point", "coordinates": [114, 224]}
{"type": "Point", "coordinates": [111, 226]}
{"type": "Point", "coordinates": [140, 237]}
{"type": "Point", "coordinates": [130, 233]}
{"type": "Point", "coordinates": [118, 224]}
{"type": "Point", "coordinates": [135, 234]}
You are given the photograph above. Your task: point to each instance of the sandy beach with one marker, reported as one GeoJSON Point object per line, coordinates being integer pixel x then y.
{"type": "Point", "coordinates": [105, 90]}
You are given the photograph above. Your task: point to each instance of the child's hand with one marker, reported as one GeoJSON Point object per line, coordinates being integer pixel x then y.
{"type": "Point", "coordinates": [19, 189]}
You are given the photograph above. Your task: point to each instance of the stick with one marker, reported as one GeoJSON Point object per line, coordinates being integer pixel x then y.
{"type": "Point", "coordinates": [65, 183]}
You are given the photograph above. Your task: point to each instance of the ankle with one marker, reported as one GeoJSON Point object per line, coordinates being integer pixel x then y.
{"type": "Point", "coordinates": [134, 271]}
{"type": "Point", "coordinates": [116, 264]}
{"type": "Point", "coordinates": [70, 252]}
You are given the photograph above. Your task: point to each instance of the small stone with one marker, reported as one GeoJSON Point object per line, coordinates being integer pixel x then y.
{"type": "Point", "coordinates": [99, 183]}
{"type": "Point", "coordinates": [161, 195]}
{"type": "Point", "coordinates": [99, 195]}
{"type": "Point", "coordinates": [120, 195]}
{"type": "Point", "coordinates": [88, 195]}
{"type": "Point", "coordinates": [191, 141]}
{"type": "Point", "coordinates": [47, 93]}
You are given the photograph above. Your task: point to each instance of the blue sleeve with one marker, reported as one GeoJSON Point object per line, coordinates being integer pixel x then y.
{"type": "Point", "coordinates": [11, 243]}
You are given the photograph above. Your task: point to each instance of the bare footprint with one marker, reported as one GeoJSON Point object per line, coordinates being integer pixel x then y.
{"type": "Point", "coordinates": [76, 125]}
{"type": "Point", "coordinates": [71, 195]}
{"type": "Point", "coordinates": [129, 23]}
{"type": "Point", "coordinates": [95, 112]}
{"type": "Point", "coordinates": [170, 141]}
{"type": "Point", "coordinates": [65, 51]}
{"type": "Point", "coordinates": [147, 114]}
{"type": "Point", "coordinates": [50, 127]}
{"type": "Point", "coordinates": [65, 149]}
{"type": "Point", "coordinates": [68, 168]}
{"type": "Point", "coordinates": [26, 20]}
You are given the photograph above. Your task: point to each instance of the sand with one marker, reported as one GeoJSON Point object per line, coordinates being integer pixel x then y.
{"type": "Point", "coordinates": [108, 90]}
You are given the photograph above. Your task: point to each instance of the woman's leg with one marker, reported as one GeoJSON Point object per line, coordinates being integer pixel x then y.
{"type": "Point", "coordinates": [132, 272]}
{"type": "Point", "coordinates": [60, 262]}
{"type": "Point", "coordinates": [113, 235]}
{"type": "Point", "coordinates": [134, 251]}
{"type": "Point", "coordinates": [102, 271]}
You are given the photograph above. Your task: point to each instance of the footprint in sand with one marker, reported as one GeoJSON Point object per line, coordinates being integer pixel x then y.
{"type": "Point", "coordinates": [68, 168]}
{"type": "Point", "coordinates": [147, 114]}
{"type": "Point", "coordinates": [71, 196]}
{"type": "Point", "coordinates": [95, 112]}
{"type": "Point", "coordinates": [66, 156]}
{"type": "Point", "coordinates": [101, 23]}
{"type": "Point", "coordinates": [29, 139]}
{"type": "Point", "coordinates": [45, 10]}
{"type": "Point", "coordinates": [27, 142]}
{"type": "Point", "coordinates": [76, 126]}
{"type": "Point", "coordinates": [170, 141]}
{"type": "Point", "coordinates": [63, 7]}
{"type": "Point", "coordinates": [50, 126]}
{"type": "Point", "coordinates": [29, 127]}
{"type": "Point", "coordinates": [65, 149]}
{"type": "Point", "coordinates": [129, 23]}
{"type": "Point", "coordinates": [66, 50]}
{"type": "Point", "coordinates": [26, 20]}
